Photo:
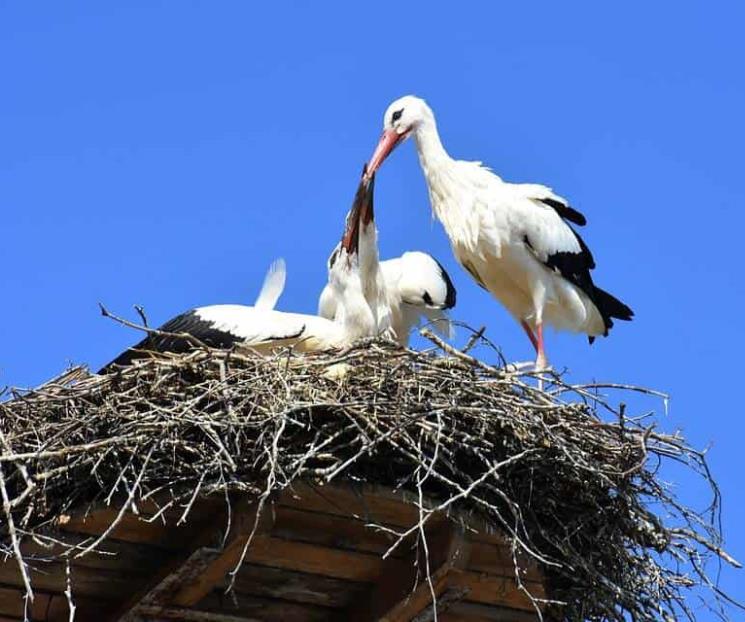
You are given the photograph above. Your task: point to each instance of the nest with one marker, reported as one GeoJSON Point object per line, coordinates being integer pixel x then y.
{"type": "Point", "coordinates": [570, 480]}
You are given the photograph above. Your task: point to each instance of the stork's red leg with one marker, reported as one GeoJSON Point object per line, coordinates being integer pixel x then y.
{"type": "Point", "coordinates": [541, 362]}
{"type": "Point", "coordinates": [529, 333]}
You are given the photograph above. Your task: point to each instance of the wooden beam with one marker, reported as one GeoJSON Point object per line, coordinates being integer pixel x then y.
{"type": "Point", "coordinates": [293, 586]}
{"type": "Point", "coordinates": [189, 615]}
{"type": "Point", "coordinates": [490, 590]}
{"type": "Point", "coordinates": [403, 589]}
{"type": "Point", "coordinates": [247, 529]}
{"type": "Point", "coordinates": [184, 582]}
{"type": "Point", "coordinates": [372, 503]}
{"type": "Point", "coordinates": [474, 612]}
{"type": "Point", "coordinates": [314, 559]}
{"type": "Point", "coordinates": [204, 565]}
{"type": "Point", "coordinates": [131, 528]}
{"type": "Point", "coordinates": [341, 532]}
{"type": "Point", "coordinates": [445, 601]}
{"type": "Point", "coordinates": [50, 607]}
{"type": "Point", "coordinates": [265, 609]}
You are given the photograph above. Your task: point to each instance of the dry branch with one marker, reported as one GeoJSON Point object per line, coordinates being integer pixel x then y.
{"type": "Point", "coordinates": [578, 493]}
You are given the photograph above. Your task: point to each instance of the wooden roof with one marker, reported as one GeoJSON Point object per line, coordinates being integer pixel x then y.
{"type": "Point", "coordinates": [312, 557]}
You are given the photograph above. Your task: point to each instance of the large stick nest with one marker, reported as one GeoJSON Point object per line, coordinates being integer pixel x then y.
{"type": "Point", "coordinates": [569, 480]}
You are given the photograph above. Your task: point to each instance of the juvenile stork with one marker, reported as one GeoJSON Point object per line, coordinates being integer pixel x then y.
{"type": "Point", "coordinates": [262, 329]}
{"type": "Point", "coordinates": [515, 240]}
{"type": "Point", "coordinates": [400, 291]}
{"type": "Point", "coordinates": [417, 289]}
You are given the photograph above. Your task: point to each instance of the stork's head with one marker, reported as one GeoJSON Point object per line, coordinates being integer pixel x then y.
{"type": "Point", "coordinates": [424, 282]}
{"type": "Point", "coordinates": [403, 117]}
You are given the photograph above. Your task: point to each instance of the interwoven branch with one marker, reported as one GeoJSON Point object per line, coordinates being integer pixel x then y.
{"type": "Point", "coordinates": [569, 479]}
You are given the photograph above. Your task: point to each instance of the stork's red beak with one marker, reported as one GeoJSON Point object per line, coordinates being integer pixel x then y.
{"type": "Point", "coordinates": [361, 213]}
{"type": "Point", "coordinates": [388, 142]}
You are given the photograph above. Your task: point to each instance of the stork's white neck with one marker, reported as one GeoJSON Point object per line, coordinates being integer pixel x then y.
{"type": "Point", "coordinates": [432, 155]}
{"type": "Point", "coordinates": [449, 194]}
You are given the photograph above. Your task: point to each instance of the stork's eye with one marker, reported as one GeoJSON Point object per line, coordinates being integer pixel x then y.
{"type": "Point", "coordinates": [396, 115]}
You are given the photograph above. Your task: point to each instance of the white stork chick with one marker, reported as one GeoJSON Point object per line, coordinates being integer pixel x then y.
{"type": "Point", "coordinates": [262, 329]}
{"type": "Point", "coordinates": [514, 239]}
{"type": "Point", "coordinates": [400, 291]}
{"type": "Point", "coordinates": [417, 289]}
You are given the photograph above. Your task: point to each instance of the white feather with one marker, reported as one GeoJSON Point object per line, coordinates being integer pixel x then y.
{"type": "Point", "coordinates": [487, 221]}
{"type": "Point", "coordinates": [402, 306]}
{"type": "Point", "coordinates": [274, 285]}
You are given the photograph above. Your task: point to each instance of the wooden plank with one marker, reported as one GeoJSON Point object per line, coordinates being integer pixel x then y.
{"type": "Point", "coordinates": [445, 600]}
{"type": "Point", "coordinates": [379, 504]}
{"type": "Point", "coordinates": [497, 560]}
{"type": "Point", "coordinates": [315, 559]}
{"type": "Point", "coordinates": [348, 511]}
{"type": "Point", "coordinates": [102, 583]}
{"type": "Point", "coordinates": [192, 575]}
{"type": "Point", "coordinates": [12, 603]}
{"type": "Point", "coordinates": [403, 589]}
{"type": "Point", "coordinates": [110, 554]}
{"type": "Point", "coordinates": [246, 529]}
{"type": "Point", "coordinates": [48, 607]}
{"type": "Point", "coordinates": [264, 609]}
{"type": "Point", "coordinates": [370, 504]}
{"type": "Point", "coordinates": [295, 586]}
{"type": "Point", "coordinates": [342, 532]}
{"type": "Point", "coordinates": [493, 590]}
{"type": "Point", "coordinates": [475, 612]}
{"type": "Point", "coordinates": [131, 528]}
{"type": "Point", "coordinates": [153, 612]}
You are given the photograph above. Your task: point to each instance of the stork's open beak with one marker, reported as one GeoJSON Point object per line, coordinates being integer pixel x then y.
{"type": "Point", "coordinates": [361, 213]}
{"type": "Point", "coordinates": [387, 144]}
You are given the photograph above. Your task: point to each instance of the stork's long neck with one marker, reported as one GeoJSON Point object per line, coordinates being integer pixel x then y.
{"type": "Point", "coordinates": [443, 184]}
{"type": "Point", "coordinates": [373, 281]}
{"type": "Point", "coordinates": [432, 155]}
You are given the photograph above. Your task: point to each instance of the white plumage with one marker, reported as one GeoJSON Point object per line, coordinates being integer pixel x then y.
{"type": "Point", "coordinates": [273, 286]}
{"type": "Point", "coordinates": [417, 289]}
{"type": "Point", "coordinates": [263, 329]}
{"type": "Point", "coordinates": [514, 239]}
{"type": "Point", "coordinates": [400, 291]}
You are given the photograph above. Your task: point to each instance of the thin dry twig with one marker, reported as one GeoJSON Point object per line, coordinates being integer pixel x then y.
{"type": "Point", "coordinates": [573, 491]}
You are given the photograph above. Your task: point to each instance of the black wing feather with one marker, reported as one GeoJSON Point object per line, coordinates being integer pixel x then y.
{"type": "Point", "coordinates": [566, 212]}
{"type": "Point", "coordinates": [575, 268]}
{"type": "Point", "coordinates": [189, 323]}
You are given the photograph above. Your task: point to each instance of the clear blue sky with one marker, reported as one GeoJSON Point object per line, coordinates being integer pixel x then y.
{"type": "Point", "coordinates": [163, 153]}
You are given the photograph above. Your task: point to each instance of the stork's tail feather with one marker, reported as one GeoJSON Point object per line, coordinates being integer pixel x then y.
{"type": "Point", "coordinates": [610, 307]}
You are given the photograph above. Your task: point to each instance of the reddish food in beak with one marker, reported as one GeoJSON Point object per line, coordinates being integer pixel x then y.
{"type": "Point", "coordinates": [361, 213]}
{"type": "Point", "coordinates": [388, 141]}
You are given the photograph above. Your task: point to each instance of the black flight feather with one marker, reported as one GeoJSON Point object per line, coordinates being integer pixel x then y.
{"type": "Point", "coordinates": [575, 268]}
{"type": "Point", "coordinates": [566, 212]}
{"type": "Point", "coordinates": [189, 323]}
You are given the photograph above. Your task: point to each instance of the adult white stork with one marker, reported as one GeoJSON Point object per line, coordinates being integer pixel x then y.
{"type": "Point", "coordinates": [514, 239]}
{"type": "Point", "coordinates": [417, 289]}
{"type": "Point", "coordinates": [261, 328]}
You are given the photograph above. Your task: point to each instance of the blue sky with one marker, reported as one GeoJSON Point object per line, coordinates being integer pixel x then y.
{"type": "Point", "coordinates": [164, 153]}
